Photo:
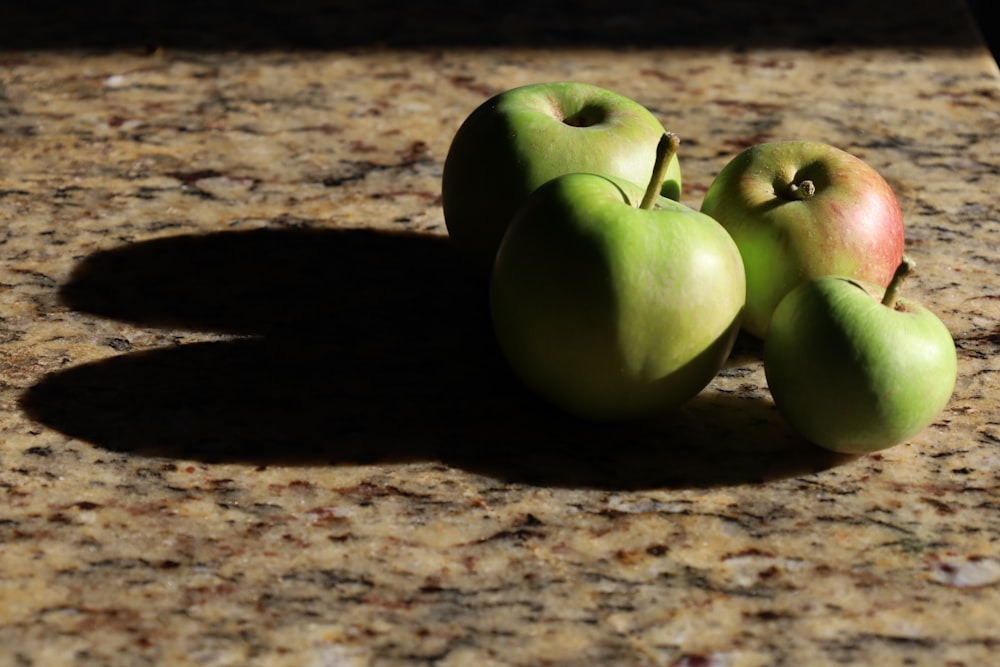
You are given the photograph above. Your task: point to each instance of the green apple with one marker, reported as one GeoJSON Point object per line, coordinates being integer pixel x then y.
{"type": "Point", "coordinates": [855, 370]}
{"type": "Point", "coordinates": [803, 209]}
{"type": "Point", "coordinates": [519, 139]}
{"type": "Point", "coordinates": [611, 301]}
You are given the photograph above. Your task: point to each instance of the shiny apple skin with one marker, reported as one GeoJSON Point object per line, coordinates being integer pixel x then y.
{"type": "Point", "coordinates": [613, 312]}
{"type": "Point", "coordinates": [853, 375]}
{"type": "Point", "coordinates": [523, 137]}
{"type": "Point", "coordinates": [852, 226]}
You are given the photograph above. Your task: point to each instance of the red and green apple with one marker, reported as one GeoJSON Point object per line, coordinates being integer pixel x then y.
{"type": "Point", "coordinates": [803, 209]}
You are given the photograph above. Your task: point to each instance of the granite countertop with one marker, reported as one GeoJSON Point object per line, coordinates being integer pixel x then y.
{"type": "Point", "coordinates": [251, 412]}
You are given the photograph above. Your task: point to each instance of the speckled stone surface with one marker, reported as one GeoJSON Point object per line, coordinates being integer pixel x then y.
{"type": "Point", "coordinates": [251, 412]}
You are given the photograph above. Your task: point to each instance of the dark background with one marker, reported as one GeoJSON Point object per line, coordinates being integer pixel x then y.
{"type": "Point", "coordinates": [985, 14]}
{"type": "Point", "coordinates": [311, 24]}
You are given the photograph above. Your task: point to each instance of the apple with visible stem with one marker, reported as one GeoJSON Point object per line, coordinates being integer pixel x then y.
{"type": "Point", "coordinates": [611, 301]}
{"type": "Point", "coordinates": [855, 368]}
{"type": "Point", "coordinates": [803, 209]}
{"type": "Point", "coordinates": [523, 137]}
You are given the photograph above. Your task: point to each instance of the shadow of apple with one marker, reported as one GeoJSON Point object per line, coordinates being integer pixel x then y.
{"type": "Point", "coordinates": [363, 347]}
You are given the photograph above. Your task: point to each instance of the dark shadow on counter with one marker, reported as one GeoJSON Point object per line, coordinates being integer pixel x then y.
{"type": "Point", "coordinates": [335, 24]}
{"type": "Point", "coordinates": [363, 347]}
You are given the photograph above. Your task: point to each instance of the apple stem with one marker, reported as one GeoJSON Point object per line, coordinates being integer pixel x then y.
{"type": "Point", "coordinates": [905, 268]}
{"type": "Point", "coordinates": [803, 190]}
{"type": "Point", "coordinates": [665, 151]}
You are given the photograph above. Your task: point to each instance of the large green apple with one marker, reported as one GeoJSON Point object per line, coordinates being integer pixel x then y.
{"type": "Point", "coordinates": [612, 302]}
{"type": "Point", "coordinates": [855, 370]}
{"type": "Point", "coordinates": [803, 209]}
{"type": "Point", "coordinates": [521, 138]}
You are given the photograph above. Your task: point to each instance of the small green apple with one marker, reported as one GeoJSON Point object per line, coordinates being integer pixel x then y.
{"type": "Point", "coordinates": [613, 302]}
{"type": "Point", "coordinates": [803, 209]}
{"type": "Point", "coordinates": [519, 139]}
{"type": "Point", "coordinates": [855, 370]}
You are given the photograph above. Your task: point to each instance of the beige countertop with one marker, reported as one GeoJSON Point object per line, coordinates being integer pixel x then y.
{"type": "Point", "coordinates": [251, 412]}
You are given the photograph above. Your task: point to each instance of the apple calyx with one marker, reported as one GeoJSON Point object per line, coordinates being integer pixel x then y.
{"type": "Point", "coordinates": [905, 268]}
{"type": "Point", "coordinates": [800, 191]}
{"type": "Point", "coordinates": [665, 151]}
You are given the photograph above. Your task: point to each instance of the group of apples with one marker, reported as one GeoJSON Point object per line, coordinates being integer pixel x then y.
{"type": "Point", "coordinates": [612, 300]}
